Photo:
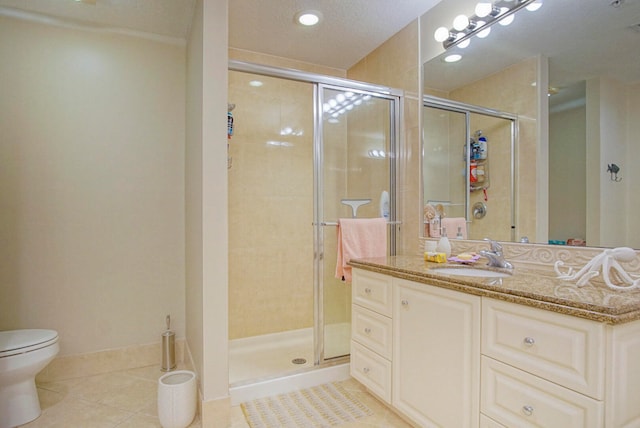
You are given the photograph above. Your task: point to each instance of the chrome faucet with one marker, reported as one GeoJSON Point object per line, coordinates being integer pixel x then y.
{"type": "Point", "coordinates": [495, 256]}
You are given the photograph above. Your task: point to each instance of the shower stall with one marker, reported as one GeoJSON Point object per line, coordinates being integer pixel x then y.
{"type": "Point", "coordinates": [301, 144]}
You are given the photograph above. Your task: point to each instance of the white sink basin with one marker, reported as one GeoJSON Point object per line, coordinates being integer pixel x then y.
{"type": "Point", "coordinates": [476, 272]}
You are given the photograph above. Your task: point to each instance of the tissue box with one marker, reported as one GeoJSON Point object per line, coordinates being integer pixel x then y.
{"type": "Point", "coordinates": [435, 257]}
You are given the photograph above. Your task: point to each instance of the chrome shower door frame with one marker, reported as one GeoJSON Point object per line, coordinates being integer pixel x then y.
{"type": "Point", "coordinates": [322, 82]}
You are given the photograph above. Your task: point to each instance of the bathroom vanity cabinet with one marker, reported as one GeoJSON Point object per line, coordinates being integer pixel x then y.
{"type": "Point", "coordinates": [445, 357]}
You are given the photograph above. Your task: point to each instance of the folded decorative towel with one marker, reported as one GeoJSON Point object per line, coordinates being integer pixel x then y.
{"type": "Point", "coordinates": [359, 238]}
{"type": "Point", "coordinates": [452, 224]}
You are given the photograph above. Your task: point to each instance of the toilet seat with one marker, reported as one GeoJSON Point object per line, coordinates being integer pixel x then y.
{"type": "Point", "coordinates": [14, 342]}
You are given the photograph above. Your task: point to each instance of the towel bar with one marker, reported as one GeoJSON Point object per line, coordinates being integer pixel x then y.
{"type": "Point", "coordinates": [334, 223]}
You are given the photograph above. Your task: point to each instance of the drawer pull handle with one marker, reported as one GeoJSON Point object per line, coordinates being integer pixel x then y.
{"type": "Point", "coordinates": [529, 341]}
{"type": "Point", "coordinates": [527, 410]}
{"type": "Point", "coordinates": [366, 370]}
{"type": "Point", "coordinates": [367, 330]}
{"type": "Point", "coordinates": [405, 303]}
{"type": "Point", "coordinates": [367, 290]}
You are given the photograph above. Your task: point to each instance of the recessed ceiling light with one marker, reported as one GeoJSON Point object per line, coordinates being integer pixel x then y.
{"type": "Point", "coordinates": [308, 18]}
{"type": "Point", "coordinates": [255, 83]}
{"type": "Point", "coordinates": [452, 58]}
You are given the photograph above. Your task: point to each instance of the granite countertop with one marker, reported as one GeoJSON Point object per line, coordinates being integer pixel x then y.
{"type": "Point", "coordinates": [527, 286]}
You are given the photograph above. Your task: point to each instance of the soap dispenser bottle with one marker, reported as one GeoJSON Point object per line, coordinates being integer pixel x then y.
{"type": "Point", "coordinates": [444, 246]}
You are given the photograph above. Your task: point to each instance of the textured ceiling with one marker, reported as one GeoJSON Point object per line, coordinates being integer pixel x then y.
{"type": "Point", "coordinates": [349, 30]}
{"type": "Point", "coordinates": [582, 38]}
{"type": "Point", "coordinates": [169, 18]}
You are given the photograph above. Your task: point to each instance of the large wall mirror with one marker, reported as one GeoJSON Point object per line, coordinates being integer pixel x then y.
{"type": "Point", "coordinates": [570, 72]}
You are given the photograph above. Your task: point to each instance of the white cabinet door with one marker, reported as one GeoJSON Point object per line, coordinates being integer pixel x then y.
{"type": "Point", "coordinates": [436, 355]}
{"type": "Point", "coordinates": [623, 376]}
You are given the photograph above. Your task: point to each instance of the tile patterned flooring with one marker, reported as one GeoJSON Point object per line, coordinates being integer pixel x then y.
{"type": "Point", "coordinates": [127, 399]}
{"type": "Point", "coordinates": [123, 399]}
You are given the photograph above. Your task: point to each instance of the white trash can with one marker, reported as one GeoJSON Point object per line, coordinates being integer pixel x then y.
{"type": "Point", "coordinates": [177, 399]}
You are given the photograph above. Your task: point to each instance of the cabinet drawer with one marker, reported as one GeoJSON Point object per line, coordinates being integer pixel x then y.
{"type": "Point", "coordinates": [372, 330]}
{"type": "Point", "coordinates": [372, 290]}
{"type": "Point", "coordinates": [371, 370]}
{"type": "Point", "coordinates": [560, 348]}
{"type": "Point", "coordinates": [518, 399]}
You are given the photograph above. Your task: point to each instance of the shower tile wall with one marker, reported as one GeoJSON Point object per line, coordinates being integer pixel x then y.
{"type": "Point", "coordinates": [270, 206]}
{"type": "Point", "coordinates": [251, 312]}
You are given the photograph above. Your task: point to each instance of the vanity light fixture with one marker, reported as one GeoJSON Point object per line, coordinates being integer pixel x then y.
{"type": "Point", "coordinates": [308, 18]}
{"type": "Point", "coordinates": [486, 14]}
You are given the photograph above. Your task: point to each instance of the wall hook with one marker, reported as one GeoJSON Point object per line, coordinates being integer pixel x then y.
{"type": "Point", "coordinates": [613, 169]}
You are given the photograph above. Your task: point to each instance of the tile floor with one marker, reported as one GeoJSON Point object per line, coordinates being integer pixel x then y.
{"type": "Point", "coordinates": [127, 399]}
{"type": "Point", "coordinates": [123, 399]}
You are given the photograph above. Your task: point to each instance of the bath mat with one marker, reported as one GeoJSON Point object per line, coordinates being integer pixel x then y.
{"type": "Point", "coordinates": [321, 406]}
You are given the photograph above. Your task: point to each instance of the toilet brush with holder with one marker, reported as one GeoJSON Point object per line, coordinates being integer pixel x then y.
{"type": "Point", "coordinates": [168, 348]}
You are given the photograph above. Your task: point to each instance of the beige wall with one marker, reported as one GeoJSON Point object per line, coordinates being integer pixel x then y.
{"type": "Point", "coordinates": [206, 203]}
{"type": "Point", "coordinates": [194, 305]}
{"type": "Point", "coordinates": [612, 111]}
{"type": "Point", "coordinates": [567, 157]}
{"type": "Point", "coordinates": [92, 218]}
{"type": "Point", "coordinates": [632, 170]}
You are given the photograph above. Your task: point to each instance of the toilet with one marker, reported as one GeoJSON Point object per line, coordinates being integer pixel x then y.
{"type": "Point", "coordinates": [23, 354]}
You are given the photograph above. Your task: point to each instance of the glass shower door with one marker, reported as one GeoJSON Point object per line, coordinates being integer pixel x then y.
{"type": "Point", "coordinates": [356, 143]}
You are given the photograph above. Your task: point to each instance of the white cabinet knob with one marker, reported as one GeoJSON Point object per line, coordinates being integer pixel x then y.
{"type": "Point", "coordinates": [367, 330]}
{"type": "Point", "coordinates": [405, 303]}
{"type": "Point", "coordinates": [527, 410]}
{"type": "Point", "coordinates": [366, 370]}
{"type": "Point", "coordinates": [529, 341]}
{"type": "Point", "coordinates": [367, 290]}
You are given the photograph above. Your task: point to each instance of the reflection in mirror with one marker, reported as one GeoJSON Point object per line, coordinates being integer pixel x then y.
{"type": "Point", "coordinates": [571, 73]}
{"type": "Point", "coordinates": [468, 159]}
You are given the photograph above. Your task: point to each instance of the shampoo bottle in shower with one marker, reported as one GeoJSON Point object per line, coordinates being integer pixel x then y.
{"type": "Point", "coordinates": [444, 246]}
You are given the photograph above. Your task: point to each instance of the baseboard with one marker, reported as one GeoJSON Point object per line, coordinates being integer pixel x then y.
{"type": "Point", "coordinates": [110, 360]}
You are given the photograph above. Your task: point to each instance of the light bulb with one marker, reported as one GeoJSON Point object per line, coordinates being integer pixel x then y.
{"type": "Point", "coordinates": [484, 33]}
{"type": "Point", "coordinates": [463, 44]}
{"type": "Point", "coordinates": [340, 98]}
{"type": "Point", "coordinates": [309, 18]}
{"type": "Point", "coordinates": [441, 34]}
{"type": "Point", "coordinates": [534, 6]}
{"type": "Point", "coordinates": [460, 22]}
{"type": "Point", "coordinates": [483, 9]}
{"type": "Point", "coordinates": [507, 20]}
{"type": "Point", "coordinates": [453, 58]}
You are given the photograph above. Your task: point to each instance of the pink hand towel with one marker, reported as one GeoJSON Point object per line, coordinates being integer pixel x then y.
{"type": "Point", "coordinates": [359, 238]}
{"type": "Point", "coordinates": [452, 224]}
